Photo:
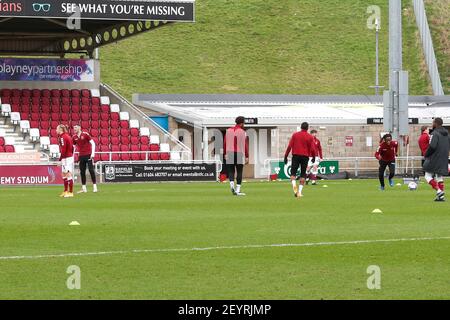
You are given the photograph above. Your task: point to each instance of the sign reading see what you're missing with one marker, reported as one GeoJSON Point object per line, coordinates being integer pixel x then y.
{"type": "Point", "coordinates": [100, 9]}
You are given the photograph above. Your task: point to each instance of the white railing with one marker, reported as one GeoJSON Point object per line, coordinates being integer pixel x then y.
{"type": "Point", "coordinates": [181, 146]}
{"type": "Point", "coordinates": [357, 165]}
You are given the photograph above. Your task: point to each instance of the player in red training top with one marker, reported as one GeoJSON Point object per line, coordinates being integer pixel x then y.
{"type": "Point", "coordinates": [302, 147]}
{"type": "Point", "coordinates": [86, 150]}
{"type": "Point", "coordinates": [313, 164]}
{"type": "Point", "coordinates": [236, 154]}
{"type": "Point", "coordinates": [424, 141]}
{"type": "Point", "coordinates": [386, 154]}
{"type": "Point", "coordinates": [66, 158]}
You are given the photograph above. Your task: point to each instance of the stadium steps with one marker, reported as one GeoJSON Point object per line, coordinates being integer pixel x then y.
{"type": "Point", "coordinates": [11, 133]}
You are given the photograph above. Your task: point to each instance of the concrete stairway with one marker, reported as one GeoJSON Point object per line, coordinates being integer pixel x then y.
{"type": "Point", "coordinates": [19, 138]}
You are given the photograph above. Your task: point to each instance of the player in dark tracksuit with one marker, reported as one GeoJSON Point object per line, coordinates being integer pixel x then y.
{"type": "Point", "coordinates": [236, 154]}
{"type": "Point", "coordinates": [436, 159]}
{"type": "Point", "coordinates": [386, 154]}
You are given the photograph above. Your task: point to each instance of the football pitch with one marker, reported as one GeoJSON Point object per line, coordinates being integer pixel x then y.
{"type": "Point", "coordinates": [197, 241]}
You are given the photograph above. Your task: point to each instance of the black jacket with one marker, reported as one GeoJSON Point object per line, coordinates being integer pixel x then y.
{"type": "Point", "coordinates": [436, 157]}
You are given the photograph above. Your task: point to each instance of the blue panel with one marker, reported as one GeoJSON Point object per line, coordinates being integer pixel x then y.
{"type": "Point", "coordinates": [163, 121]}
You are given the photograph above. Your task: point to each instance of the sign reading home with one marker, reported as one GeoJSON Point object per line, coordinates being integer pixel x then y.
{"type": "Point", "coordinates": [100, 9]}
{"type": "Point", "coordinates": [159, 172]}
{"type": "Point", "coordinates": [72, 70]}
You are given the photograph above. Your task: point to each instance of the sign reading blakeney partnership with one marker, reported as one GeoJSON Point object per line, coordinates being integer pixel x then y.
{"type": "Point", "coordinates": [101, 9]}
{"type": "Point", "coordinates": [73, 70]}
{"type": "Point", "coordinates": [159, 172]}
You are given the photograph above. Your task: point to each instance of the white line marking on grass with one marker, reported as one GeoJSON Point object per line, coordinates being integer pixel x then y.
{"type": "Point", "coordinates": [255, 246]}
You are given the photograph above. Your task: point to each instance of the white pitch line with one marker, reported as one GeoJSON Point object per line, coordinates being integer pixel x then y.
{"type": "Point", "coordinates": [256, 246]}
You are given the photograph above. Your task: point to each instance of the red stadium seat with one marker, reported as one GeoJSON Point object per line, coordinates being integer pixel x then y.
{"type": "Point", "coordinates": [6, 92]}
{"type": "Point", "coordinates": [53, 140]}
{"type": "Point", "coordinates": [15, 108]}
{"type": "Point", "coordinates": [36, 93]}
{"type": "Point", "coordinates": [104, 132]}
{"type": "Point", "coordinates": [16, 93]}
{"type": "Point", "coordinates": [85, 93]}
{"type": "Point", "coordinates": [154, 156]}
{"type": "Point", "coordinates": [65, 93]}
{"type": "Point", "coordinates": [64, 117]}
{"type": "Point", "coordinates": [85, 108]}
{"type": "Point", "coordinates": [55, 108]}
{"type": "Point", "coordinates": [46, 109]}
{"type": "Point", "coordinates": [115, 116]}
{"type": "Point", "coordinates": [25, 108]}
{"type": "Point", "coordinates": [154, 147]}
{"type": "Point", "coordinates": [144, 148]}
{"type": "Point", "coordinates": [35, 108]}
{"type": "Point", "coordinates": [43, 132]}
{"type": "Point", "coordinates": [36, 100]}
{"type": "Point", "coordinates": [124, 124]}
{"type": "Point", "coordinates": [35, 117]}
{"type": "Point", "coordinates": [45, 125]}
{"type": "Point", "coordinates": [95, 101]}
{"type": "Point", "coordinates": [164, 156]}
{"type": "Point", "coordinates": [85, 117]}
{"type": "Point", "coordinates": [95, 117]}
{"type": "Point", "coordinates": [75, 93]}
{"type": "Point", "coordinates": [10, 149]}
{"type": "Point", "coordinates": [135, 156]}
{"type": "Point", "coordinates": [75, 100]}
{"type": "Point", "coordinates": [134, 140]}
{"type": "Point", "coordinates": [115, 140]}
{"type": "Point", "coordinates": [115, 124]}
{"type": "Point", "coordinates": [94, 133]}
{"type": "Point", "coordinates": [114, 132]}
{"type": "Point", "coordinates": [55, 116]}
{"type": "Point", "coordinates": [24, 116]}
{"type": "Point", "coordinates": [2, 149]}
{"type": "Point", "coordinates": [26, 93]}
{"type": "Point", "coordinates": [124, 140]}
{"type": "Point", "coordinates": [75, 117]}
{"type": "Point", "coordinates": [45, 100]}
{"type": "Point", "coordinates": [96, 140]}
{"type": "Point", "coordinates": [104, 116]}
{"type": "Point", "coordinates": [115, 156]}
{"type": "Point", "coordinates": [53, 133]}
{"type": "Point", "coordinates": [65, 101]}
{"type": "Point", "coordinates": [85, 101]}
{"type": "Point", "coordinates": [56, 93]}
{"type": "Point", "coordinates": [45, 117]}
{"type": "Point", "coordinates": [34, 124]}
{"type": "Point", "coordinates": [2, 141]}
{"type": "Point", "coordinates": [54, 124]}
{"type": "Point", "coordinates": [65, 109]}
{"type": "Point", "coordinates": [125, 156]}
{"type": "Point", "coordinates": [134, 132]}
{"type": "Point", "coordinates": [104, 141]}
{"type": "Point", "coordinates": [15, 100]}
{"type": "Point", "coordinates": [46, 93]}
{"type": "Point", "coordinates": [75, 109]}
{"type": "Point", "coordinates": [95, 125]}
{"type": "Point", "coordinates": [124, 132]}
{"type": "Point", "coordinates": [104, 148]}
{"type": "Point", "coordinates": [105, 108]}
{"type": "Point", "coordinates": [55, 101]}
{"type": "Point", "coordinates": [6, 100]}
{"type": "Point", "coordinates": [144, 140]}
{"type": "Point", "coordinates": [95, 109]}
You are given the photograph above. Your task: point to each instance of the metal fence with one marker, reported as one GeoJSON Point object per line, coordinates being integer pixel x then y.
{"type": "Point", "coordinates": [428, 48]}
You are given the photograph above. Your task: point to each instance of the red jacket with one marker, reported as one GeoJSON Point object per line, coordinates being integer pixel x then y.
{"type": "Point", "coordinates": [236, 141]}
{"type": "Point", "coordinates": [387, 152]}
{"type": "Point", "coordinates": [424, 142]}
{"type": "Point", "coordinates": [83, 143]}
{"type": "Point", "coordinates": [301, 144]}
{"type": "Point", "coordinates": [318, 148]}
{"type": "Point", "coordinates": [65, 146]}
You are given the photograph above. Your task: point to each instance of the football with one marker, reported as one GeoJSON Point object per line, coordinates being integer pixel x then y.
{"type": "Point", "coordinates": [412, 186]}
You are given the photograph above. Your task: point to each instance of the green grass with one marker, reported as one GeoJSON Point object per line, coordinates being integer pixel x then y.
{"type": "Point", "coordinates": [34, 221]}
{"type": "Point", "coordinates": [263, 46]}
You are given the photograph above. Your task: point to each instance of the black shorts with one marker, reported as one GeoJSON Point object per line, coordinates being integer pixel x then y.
{"type": "Point", "coordinates": [299, 162]}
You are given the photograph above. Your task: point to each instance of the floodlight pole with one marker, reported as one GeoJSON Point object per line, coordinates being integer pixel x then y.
{"type": "Point", "coordinates": [396, 99]}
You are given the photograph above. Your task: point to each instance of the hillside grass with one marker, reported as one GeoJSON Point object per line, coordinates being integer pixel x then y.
{"type": "Point", "coordinates": [263, 46]}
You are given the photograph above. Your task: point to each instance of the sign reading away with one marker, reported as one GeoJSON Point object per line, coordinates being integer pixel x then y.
{"type": "Point", "coordinates": [159, 172]}
{"type": "Point", "coordinates": [100, 9]}
{"type": "Point", "coordinates": [72, 70]}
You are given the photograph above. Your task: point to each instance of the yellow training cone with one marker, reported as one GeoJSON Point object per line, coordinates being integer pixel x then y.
{"type": "Point", "coordinates": [74, 223]}
{"type": "Point", "coordinates": [377, 211]}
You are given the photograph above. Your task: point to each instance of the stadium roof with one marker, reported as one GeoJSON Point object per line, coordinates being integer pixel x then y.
{"type": "Point", "coordinates": [56, 27]}
{"type": "Point", "coordinates": [276, 110]}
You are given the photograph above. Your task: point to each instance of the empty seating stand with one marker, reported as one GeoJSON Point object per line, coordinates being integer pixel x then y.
{"type": "Point", "coordinates": [37, 113]}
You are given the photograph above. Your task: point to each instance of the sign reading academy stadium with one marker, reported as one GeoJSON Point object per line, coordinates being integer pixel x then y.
{"type": "Point", "coordinates": [171, 10]}
{"type": "Point", "coordinates": [159, 172]}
